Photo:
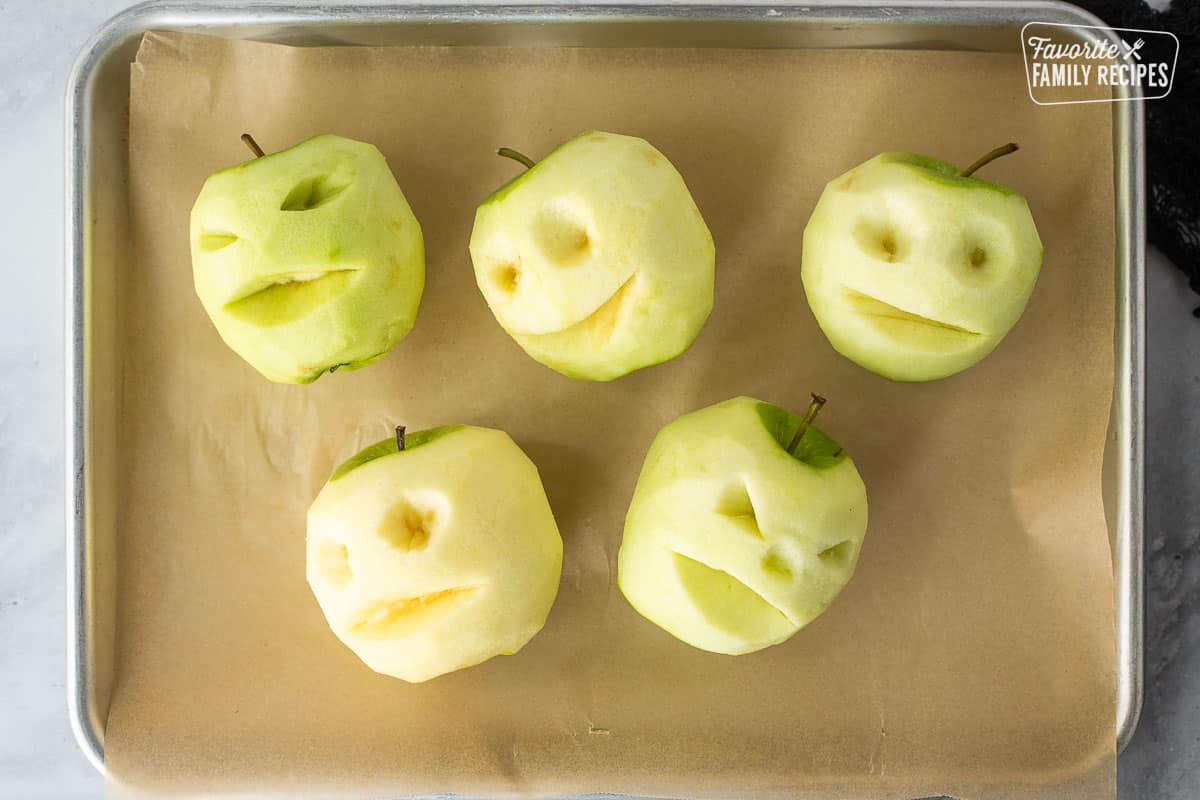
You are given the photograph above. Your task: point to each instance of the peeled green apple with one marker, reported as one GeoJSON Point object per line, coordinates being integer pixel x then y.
{"type": "Point", "coordinates": [745, 524]}
{"type": "Point", "coordinates": [308, 260]}
{"type": "Point", "coordinates": [596, 260]}
{"type": "Point", "coordinates": [916, 269]}
{"type": "Point", "coordinates": [434, 551]}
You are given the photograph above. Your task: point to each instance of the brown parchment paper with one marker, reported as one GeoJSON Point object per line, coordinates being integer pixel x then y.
{"type": "Point", "coordinates": [972, 654]}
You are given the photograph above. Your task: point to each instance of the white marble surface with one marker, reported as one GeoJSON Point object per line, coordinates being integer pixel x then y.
{"type": "Point", "coordinates": [38, 757]}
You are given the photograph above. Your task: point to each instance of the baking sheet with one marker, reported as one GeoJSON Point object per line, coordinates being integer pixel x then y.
{"type": "Point", "coordinates": [973, 652]}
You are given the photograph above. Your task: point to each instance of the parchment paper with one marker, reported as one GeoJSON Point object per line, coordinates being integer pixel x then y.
{"type": "Point", "coordinates": [972, 654]}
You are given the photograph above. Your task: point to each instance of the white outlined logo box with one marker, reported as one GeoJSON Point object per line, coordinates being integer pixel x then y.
{"type": "Point", "coordinates": [1061, 58]}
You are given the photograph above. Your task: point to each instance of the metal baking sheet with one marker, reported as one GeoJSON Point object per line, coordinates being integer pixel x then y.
{"type": "Point", "coordinates": [97, 124]}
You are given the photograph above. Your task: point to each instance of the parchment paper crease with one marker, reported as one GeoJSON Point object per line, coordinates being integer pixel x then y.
{"type": "Point", "coordinates": [973, 652]}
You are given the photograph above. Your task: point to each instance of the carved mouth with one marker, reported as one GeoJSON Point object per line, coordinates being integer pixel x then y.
{"type": "Point", "coordinates": [401, 616]}
{"type": "Point", "coordinates": [287, 297]}
{"type": "Point", "coordinates": [694, 572]}
{"type": "Point", "coordinates": [864, 305]}
{"type": "Point", "coordinates": [601, 323]}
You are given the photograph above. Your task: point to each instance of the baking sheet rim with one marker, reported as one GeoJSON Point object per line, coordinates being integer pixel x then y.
{"type": "Point", "coordinates": [87, 719]}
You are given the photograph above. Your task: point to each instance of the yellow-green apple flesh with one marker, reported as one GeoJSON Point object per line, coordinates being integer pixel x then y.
{"type": "Point", "coordinates": [746, 523]}
{"type": "Point", "coordinates": [309, 259]}
{"type": "Point", "coordinates": [916, 269]}
{"type": "Point", "coordinates": [436, 557]}
{"type": "Point", "coordinates": [596, 260]}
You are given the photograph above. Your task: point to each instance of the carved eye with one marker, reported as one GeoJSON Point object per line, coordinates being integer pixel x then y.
{"type": "Point", "coordinates": [880, 239]}
{"type": "Point", "coordinates": [332, 561]}
{"type": "Point", "coordinates": [735, 503]}
{"type": "Point", "coordinates": [561, 232]}
{"type": "Point", "coordinates": [313, 192]}
{"type": "Point", "coordinates": [984, 253]}
{"type": "Point", "coordinates": [838, 554]}
{"type": "Point", "coordinates": [408, 525]}
{"type": "Point", "coordinates": [414, 521]}
{"type": "Point", "coordinates": [507, 276]}
{"type": "Point", "coordinates": [211, 241]}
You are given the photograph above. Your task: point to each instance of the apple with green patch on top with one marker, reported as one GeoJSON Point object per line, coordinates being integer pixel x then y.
{"type": "Point", "coordinates": [308, 260]}
{"type": "Point", "coordinates": [746, 523]}
{"type": "Point", "coordinates": [916, 269]}
{"type": "Point", "coordinates": [434, 551]}
{"type": "Point", "coordinates": [596, 260]}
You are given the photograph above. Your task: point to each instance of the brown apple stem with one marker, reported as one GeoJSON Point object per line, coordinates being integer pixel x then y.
{"type": "Point", "coordinates": [253, 145]}
{"type": "Point", "coordinates": [813, 409]}
{"type": "Point", "coordinates": [989, 157]}
{"type": "Point", "coordinates": [515, 155]}
{"type": "Point", "coordinates": [400, 438]}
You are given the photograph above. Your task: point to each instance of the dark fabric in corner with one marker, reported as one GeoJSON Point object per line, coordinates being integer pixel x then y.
{"type": "Point", "coordinates": [1172, 132]}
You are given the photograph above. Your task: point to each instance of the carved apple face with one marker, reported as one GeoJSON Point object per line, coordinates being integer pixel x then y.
{"type": "Point", "coordinates": [435, 558]}
{"type": "Point", "coordinates": [732, 543]}
{"type": "Point", "coordinates": [914, 271]}
{"type": "Point", "coordinates": [596, 260]}
{"type": "Point", "coordinates": [309, 259]}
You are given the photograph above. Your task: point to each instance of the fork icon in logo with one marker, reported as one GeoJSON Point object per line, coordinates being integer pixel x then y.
{"type": "Point", "coordinates": [1131, 51]}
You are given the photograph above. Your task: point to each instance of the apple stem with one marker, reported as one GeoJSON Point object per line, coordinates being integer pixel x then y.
{"type": "Point", "coordinates": [813, 409]}
{"type": "Point", "coordinates": [989, 157]}
{"type": "Point", "coordinates": [253, 145]}
{"type": "Point", "coordinates": [516, 155]}
{"type": "Point", "coordinates": [400, 438]}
